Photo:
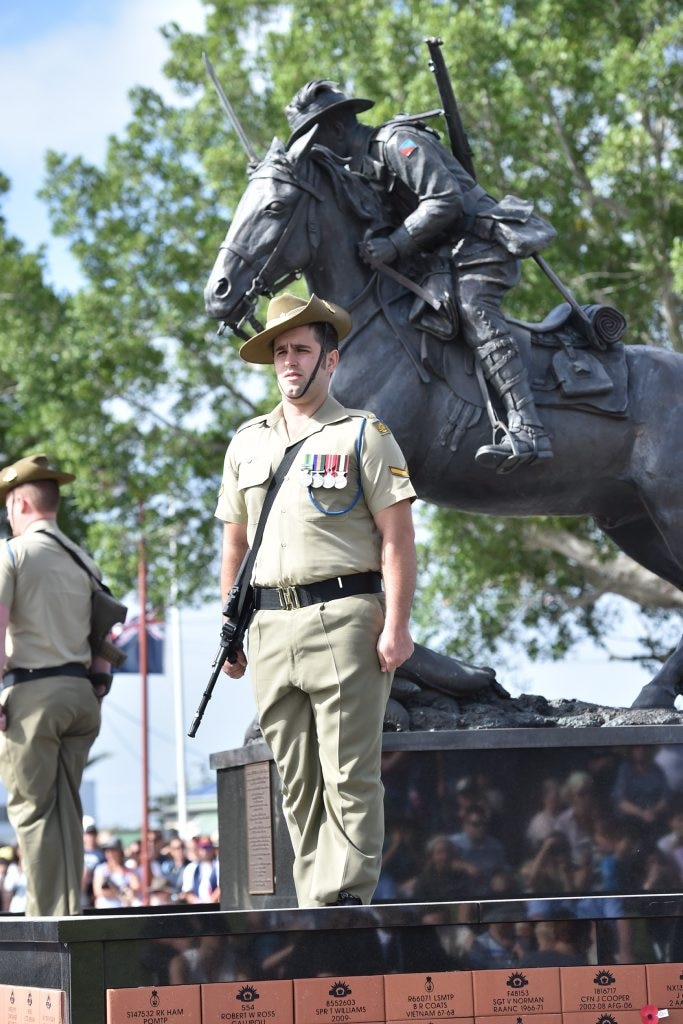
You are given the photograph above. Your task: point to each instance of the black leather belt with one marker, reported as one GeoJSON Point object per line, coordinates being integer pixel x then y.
{"type": "Point", "coordinates": [23, 675]}
{"type": "Point", "coordinates": [286, 598]}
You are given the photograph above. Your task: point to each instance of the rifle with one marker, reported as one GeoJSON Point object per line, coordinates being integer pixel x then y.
{"type": "Point", "coordinates": [460, 144]}
{"type": "Point", "coordinates": [461, 150]}
{"type": "Point", "coordinates": [240, 605]}
{"type": "Point", "coordinates": [238, 611]}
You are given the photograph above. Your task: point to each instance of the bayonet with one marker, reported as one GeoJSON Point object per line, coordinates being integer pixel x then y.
{"type": "Point", "coordinates": [232, 116]}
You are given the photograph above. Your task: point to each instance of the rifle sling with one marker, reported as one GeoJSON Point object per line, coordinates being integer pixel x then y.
{"type": "Point", "coordinates": [247, 565]}
{"type": "Point", "coordinates": [78, 560]}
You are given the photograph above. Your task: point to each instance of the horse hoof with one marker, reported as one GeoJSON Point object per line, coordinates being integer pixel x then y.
{"type": "Point", "coordinates": [653, 696]}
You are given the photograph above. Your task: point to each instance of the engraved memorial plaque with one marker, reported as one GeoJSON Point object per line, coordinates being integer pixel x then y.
{"type": "Point", "coordinates": [259, 828]}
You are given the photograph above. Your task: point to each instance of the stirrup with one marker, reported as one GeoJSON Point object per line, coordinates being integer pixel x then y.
{"type": "Point", "coordinates": [504, 459]}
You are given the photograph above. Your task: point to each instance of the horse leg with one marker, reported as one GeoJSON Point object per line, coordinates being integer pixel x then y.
{"type": "Point", "coordinates": [662, 690]}
{"type": "Point", "coordinates": [646, 544]}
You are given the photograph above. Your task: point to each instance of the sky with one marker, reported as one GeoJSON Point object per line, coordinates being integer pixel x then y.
{"type": "Point", "coordinates": [65, 70]}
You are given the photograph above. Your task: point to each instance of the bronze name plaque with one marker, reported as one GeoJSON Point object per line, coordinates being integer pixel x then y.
{"type": "Point", "coordinates": [259, 828]}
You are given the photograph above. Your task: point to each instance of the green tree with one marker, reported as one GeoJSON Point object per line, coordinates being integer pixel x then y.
{"type": "Point", "coordinates": [572, 105]}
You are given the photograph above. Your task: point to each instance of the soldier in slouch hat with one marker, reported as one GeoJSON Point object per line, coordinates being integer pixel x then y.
{"type": "Point", "coordinates": [334, 579]}
{"type": "Point", "coordinates": [51, 687]}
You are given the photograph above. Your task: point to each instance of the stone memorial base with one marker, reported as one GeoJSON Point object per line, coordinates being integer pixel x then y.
{"type": "Point", "coordinates": [433, 780]}
{"type": "Point", "coordinates": [510, 944]}
{"type": "Point", "coordinates": [206, 967]}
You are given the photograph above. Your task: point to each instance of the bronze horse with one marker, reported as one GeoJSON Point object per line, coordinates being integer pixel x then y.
{"type": "Point", "coordinates": [304, 212]}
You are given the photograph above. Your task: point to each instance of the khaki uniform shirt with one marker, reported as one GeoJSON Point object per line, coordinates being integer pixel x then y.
{"type": "Point", "coordinates": [49, 598]}
{"type": "Point", "coordinates": [301, 543]}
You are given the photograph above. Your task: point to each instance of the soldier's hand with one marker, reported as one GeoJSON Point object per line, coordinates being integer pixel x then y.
{"type": "Point", "coordinates": [394, 646]}
{"type": "Point", "coordinates": [381, 249]}
{"type": "Point", "coordinates": [236, 669]}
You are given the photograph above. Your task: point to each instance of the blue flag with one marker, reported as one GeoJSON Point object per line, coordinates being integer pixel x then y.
{"type": "Point", "coordinates": [127, 637]}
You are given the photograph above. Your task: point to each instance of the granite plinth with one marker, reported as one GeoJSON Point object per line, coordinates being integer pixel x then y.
{"type": "Point", "coordinates": [85, 957]}
{"type": "Point", "coordinates": [433, 779]}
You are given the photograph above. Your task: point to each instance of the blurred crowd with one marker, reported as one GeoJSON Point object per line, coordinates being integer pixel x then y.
{"type": "Point", "coordinates": [178, 871]}
{"type": "Point", "coordinates": [541, 827]}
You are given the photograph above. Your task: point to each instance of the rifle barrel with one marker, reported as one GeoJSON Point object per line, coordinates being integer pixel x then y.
{"type": "Point", "coordinates": [218, 663]}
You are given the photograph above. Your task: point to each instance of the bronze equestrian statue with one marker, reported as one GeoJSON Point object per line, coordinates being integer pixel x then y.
{"type": "Point", "coordinates": [305, 212]}
{"type": "Point", "coordinates": [433, 206]}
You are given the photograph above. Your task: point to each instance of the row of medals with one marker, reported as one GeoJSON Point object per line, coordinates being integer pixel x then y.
{"type": "Point", "coordinates": [324, 471]}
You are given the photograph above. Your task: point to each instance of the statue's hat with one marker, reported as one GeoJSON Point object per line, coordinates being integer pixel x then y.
{"type": "Point", "coordinates": [286, 311]}
{"type": "Point", "coordinates": [313, 100]}
{"type": "Point", "coordinates": [29, 470]}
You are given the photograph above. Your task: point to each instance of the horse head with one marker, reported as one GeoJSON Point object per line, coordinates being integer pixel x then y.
{"type": "Point", "coordinates": [277, 229]}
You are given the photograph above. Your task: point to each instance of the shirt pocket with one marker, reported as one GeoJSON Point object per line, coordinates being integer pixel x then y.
{"type": "Point", "coordinates": [253, 472]}
{"type": "Point", "coordinates": [253, 477]}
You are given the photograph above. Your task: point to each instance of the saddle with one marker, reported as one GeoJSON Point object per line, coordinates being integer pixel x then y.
{"type": "Point", "coordinates": [564, 369]}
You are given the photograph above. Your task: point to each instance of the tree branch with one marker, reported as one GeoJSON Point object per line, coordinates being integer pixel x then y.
{"type": "Point", "coordinates": [619, 575]}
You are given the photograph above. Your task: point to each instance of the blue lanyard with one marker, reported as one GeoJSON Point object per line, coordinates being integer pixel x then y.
{"type": "Point", "coordinates": [343, 511]}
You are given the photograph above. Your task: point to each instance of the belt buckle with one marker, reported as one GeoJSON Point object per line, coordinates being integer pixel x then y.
{"type": "Point", "coordinates": [288, 598]}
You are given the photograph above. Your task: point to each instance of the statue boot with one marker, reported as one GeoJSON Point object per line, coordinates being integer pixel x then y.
{"type": "Point", "coordinates": [524, 439]}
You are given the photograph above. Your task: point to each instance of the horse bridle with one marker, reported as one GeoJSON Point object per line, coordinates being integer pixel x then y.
{"type": "Point", "coordinates": [264, 281]}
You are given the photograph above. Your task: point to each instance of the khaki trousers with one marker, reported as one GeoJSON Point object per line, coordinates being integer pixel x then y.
{"type": "Point", "coordinates": [321, 698]}
{"type": "Point", "coordinates": [53, 723]}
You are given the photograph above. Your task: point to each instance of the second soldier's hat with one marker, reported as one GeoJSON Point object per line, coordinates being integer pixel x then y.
{"type": "Point", "coordinates": [29, 470]}
{"type": "Point", "coordinates": [287, 311]}
{"type": "Point", "coordinates": [316, 98]}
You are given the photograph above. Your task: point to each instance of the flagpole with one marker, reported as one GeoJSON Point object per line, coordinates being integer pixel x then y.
{"type": "Point", "coordinates": [176, 654]}
{"type": "Point", "coordinates": [142, 642]}
{"type": "Point", "coordinates": [178, 703]}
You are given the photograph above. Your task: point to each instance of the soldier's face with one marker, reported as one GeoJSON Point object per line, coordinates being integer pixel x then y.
{"type": "Point", "coordinates": [295, 356]}
{"type": "Point", "coordinates": [333, 135]}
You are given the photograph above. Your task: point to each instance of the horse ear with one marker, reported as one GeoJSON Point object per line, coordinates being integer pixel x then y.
{"type": "Point", "coordinates": [300, 147]}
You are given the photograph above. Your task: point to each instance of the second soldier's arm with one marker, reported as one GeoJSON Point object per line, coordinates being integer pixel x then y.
{"type": "Point", "coordinates": [437, 182]}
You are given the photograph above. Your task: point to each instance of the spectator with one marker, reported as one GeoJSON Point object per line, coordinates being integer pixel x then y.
{"type": "Point", "coordinates": [641, 791]}
{"type": "Point", "coordinates": [494, 948]}
{"type": "Point", "coordinates": [132, 853]}
{"type": "Point", "coordinates": [444, 879]}
{"type": "Point", "coordinates": [619, 860]}
{"type": "Point", "coordinates": [92, 856]}
{"type": "Point", "coordinates": [115, 883]}
{"type": "Point", "coordinates": [174, 865]}
{"type": "Point", "coordinates": [544, 821]}
{"type": "Point", "coordinates": [576, 821]}
{"type": "Point", "coordinates": [155, 854]}
{"type": "Point", "coordinates": [479, 851]}
{"type": "Point", "coordinates": [201, 879]}
{"type": "Point", "coordinates": [14, 885]}
{"type": "Point", "coordinates": [550, 872]}
{"type": "Point", "coordinates": [560, 944]}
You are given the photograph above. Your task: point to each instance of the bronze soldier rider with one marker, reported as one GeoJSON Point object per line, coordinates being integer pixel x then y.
{"type": "Point", "coordinates": [436, 206]}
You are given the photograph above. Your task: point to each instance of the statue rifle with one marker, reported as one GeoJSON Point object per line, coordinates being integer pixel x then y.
{"type": "Point", "coordinates": [232, 116]}
{"type": "Point", "coordinates": [461, 150]}
{"type": "Point", "coordinates": [460, 145]}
